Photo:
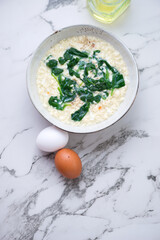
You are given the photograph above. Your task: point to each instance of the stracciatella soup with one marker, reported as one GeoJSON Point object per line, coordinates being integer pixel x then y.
{"type": "Point", "coordinates": [82, 80]}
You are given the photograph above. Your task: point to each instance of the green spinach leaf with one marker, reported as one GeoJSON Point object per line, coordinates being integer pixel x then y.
{"type": "Point", "coordinates": [67, 56]}
{"type": "Point", "coordinates": [118, 80]}
{"type": "Point", "coordinates": [70, 66]}
{"type": "Point", "coordinates": [101, 62]}
{"type": "Point", "coordinates": [57, 71]}
{"type": "Point", "coordinates": [52, 63]}
{"type": "Point", "coordinates": [90, 67]}
{"type": "Point", "coordinates": [97, 98]}
{"type": "Point", "coordinates": [81, 65]}
{"type": "Point", "coordinates": [61, 60]}
{"type": "Point", "coordinates": [57, 103]}
{"type": "Point", "coordinates": [97, 85]}
{"type": "Point", "coordinates": [73, 73]}
{"type": "Point", "coordinates": [105, 94]}
{"type": "Point", "coordinates": [95, 52]}
{"type": "Point", "coordinates": [85, 95]}
{"type": "Point", "coordinates": [78, 53]}
{"type": "Point", "coordinates": [73, 62]}
{"type": "Point", "coordinates": [79, 114]}
{"type": "Point", "coordinates": [68, 93]}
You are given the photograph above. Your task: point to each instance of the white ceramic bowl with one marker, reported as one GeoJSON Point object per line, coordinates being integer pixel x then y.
{"type": "Point", "coordinates": [76, 31]}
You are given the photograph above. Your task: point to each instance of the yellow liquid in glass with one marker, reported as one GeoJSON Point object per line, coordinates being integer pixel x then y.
{"type": "Point", "coordinates": [107, 10]}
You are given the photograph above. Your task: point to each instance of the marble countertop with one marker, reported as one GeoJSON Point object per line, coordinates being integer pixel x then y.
{"type": "Point", "coordinates": [117, 196]}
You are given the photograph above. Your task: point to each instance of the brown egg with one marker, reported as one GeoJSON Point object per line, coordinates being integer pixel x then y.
{"type": "Point", "coordinates": [68, 163]}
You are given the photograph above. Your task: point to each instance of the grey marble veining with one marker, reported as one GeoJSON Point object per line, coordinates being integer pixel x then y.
{"type": "Point", "coordinates": [117, 195]}
{"type": "Point", "coordinates": [58, 3]}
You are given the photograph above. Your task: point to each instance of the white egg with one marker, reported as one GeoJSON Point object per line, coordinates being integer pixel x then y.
{"type": "Point", "coordinates": [52, 139]}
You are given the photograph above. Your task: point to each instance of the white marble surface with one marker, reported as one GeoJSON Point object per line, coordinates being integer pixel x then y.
{"type": "Point", "coordinates": [117, 196]}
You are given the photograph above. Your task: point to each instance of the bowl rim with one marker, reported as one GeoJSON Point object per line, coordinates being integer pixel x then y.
{"type": "Point", "coordinates": [80, 130]}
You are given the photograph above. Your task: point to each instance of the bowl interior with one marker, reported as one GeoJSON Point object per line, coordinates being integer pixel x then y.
{"type": "Point", "coordinates": [76, 31]}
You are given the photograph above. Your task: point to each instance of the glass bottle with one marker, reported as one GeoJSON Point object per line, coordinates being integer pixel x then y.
{"type": "Point", "coordinates": [107, 11]}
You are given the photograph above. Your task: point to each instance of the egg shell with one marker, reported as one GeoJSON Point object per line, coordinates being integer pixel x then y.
{"type": "Point", "coordinates": [52, 139]}
{"type": "Point", "coordinates": [68, 163]}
